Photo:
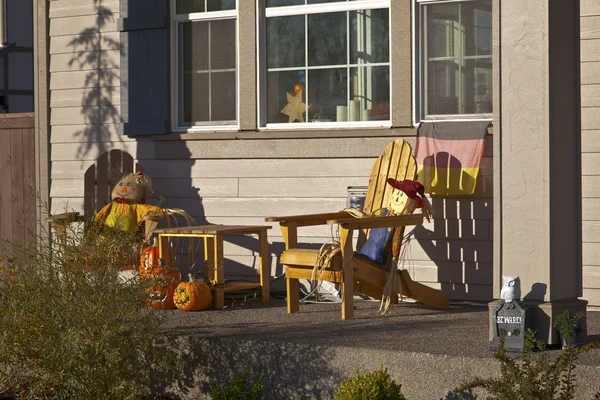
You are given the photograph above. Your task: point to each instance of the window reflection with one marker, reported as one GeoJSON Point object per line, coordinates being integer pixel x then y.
{"type": "Point", "coordinates": [339, 59]}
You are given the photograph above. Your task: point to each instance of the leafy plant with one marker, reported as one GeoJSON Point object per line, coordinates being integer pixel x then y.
{"type": "Point", "coordinates": [73, 328]}
{"type": "Point", "coordinates": [239, 388]}
{"type": "Point", "coordinates": [376, 385]}
{"type": "Point", "coordinates": [570, 327]}
{"type": "Point", "coordinates": [536, 376]}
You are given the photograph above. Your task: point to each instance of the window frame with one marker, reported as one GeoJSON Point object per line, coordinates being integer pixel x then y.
{"type": "Point", "coordinates": [174, 21]}
{"type": "Point", "coordinates": [419, 85]}
{"type": "Point", "coordinates": [310, 9]}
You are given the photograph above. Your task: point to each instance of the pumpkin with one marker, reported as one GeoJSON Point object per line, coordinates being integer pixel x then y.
{"type": "Point", "coordinates": [165, 278]}
{"type": "Point", "coordinates": [150, 260]}
{"type": "Point", "coordinates": [192, 295]}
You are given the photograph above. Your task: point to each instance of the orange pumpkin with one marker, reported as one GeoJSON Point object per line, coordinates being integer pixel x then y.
{"type": "Point", "coordinates": [192, 295]}
{"type": "Point", "coordinates": [165, 277]}
{"type": "Point", "coordinates": [150, 259]}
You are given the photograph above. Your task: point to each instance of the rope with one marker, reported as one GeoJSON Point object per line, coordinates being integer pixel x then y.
{"type": "Point", "coordinates": [329, 250]}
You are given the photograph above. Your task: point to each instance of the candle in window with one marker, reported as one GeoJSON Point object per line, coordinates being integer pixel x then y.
{"type": "Point", "coordinates": [341, 113]}
{"type": "Point", "coordinates": [354, 110]}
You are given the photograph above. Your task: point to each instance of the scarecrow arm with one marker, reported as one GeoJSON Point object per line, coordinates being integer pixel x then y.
{"type": "Point", "coordinates": [103, 213]}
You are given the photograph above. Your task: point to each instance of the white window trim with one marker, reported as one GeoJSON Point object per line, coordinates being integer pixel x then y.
{"type": "Point", "coordinates": [174, 42]}
{"type": "Point", "coordinates": [3, 33]}
{"type": "Point", "coordinates": [262, 13]}
{"type": "Point", "coordinates": [418, 79]}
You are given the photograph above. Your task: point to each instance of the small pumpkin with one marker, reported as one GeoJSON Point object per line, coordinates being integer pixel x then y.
{"type": "Point", "coordinates": [150, 259]}
{"type": "Point", "coordinates": [192, 295]}
{"type": "Point", "coordinates": [165, 277]}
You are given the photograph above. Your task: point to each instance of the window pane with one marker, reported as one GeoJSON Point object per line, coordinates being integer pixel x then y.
{"type": "Point", "coordinates": [189, 6]}
{"type": "Point", "coordinates": [325, 1]}
{"type": "Point", "coordinates": [192, 6]}
{"type": "Point", "coordinates": [443, 30]}
{"type": "Point", "coordinates": [370, 90]}
{"type": "Point", "coordinates": [279, 84]}
{"type": "Point", "coordinates": [325, 54]}
{"type": "Point", "coordinates": [458, 58]}
{"type": "Point", "coordinates": [220, 5]}
{"type": "Point", "coordinates": [477, 19]}
{"type": "Point", "coordinates": [196, 103]}
{"type": "Point", "coordinates": [478, 93]}
{"type": "Point", "coordinates": [283, 3]}
{"type": "Point", "coordinates": [207, 72]}
{"type": "Point", "coordinates": [223, 89]}
{"type": "Point", "coordinates": [222, 43]}
{"type": "Point", "coordinates": [327, 93]}
{"type": "Point", "coordinates": [460, 89]}
{"type": "Point", "coordinates": [369, 38]}
{"type": "Point", "coordinates": [327, 39]}
{"type": "Point", "coordinates": [285, 42]}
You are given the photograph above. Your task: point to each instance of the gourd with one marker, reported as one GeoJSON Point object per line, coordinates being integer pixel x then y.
{"type": "Point", "coordinates": [164, 277]}
{"type": "Point", "coordinates": [192, 295]}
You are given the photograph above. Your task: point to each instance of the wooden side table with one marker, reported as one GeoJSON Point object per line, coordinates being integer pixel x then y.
{"type": "Point", "coordinates": [214, 271]}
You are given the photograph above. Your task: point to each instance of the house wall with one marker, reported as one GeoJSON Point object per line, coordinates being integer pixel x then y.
{"type": "Point", "coordinates": [590, 147]}
{"type": "Point", "coordinates": [16, 61]}
{"type": "Point", "coordinates": [242, 177]}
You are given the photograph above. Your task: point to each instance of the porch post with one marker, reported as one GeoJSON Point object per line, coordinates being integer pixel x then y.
{"type": "Point", "coordinates": [537, 210]}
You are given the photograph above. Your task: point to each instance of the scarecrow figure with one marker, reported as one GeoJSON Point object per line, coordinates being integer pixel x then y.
{"type": "Point", "coordinates": [127, 209]}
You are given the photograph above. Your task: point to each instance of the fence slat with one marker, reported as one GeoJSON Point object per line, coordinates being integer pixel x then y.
{"type": "Point", "coordinates": [17, 179]}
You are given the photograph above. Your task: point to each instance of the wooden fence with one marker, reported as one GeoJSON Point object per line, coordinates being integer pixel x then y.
{"type": "Point", "coordinates": [17, 179]}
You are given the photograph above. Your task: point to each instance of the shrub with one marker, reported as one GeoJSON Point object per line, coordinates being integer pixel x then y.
{"type": "Point", "coordinates": [72, 328]}
{"type": "Point", "coordinates": [376, 385]}
{"type": "Point", "coordinates": [239, 389]}
{"type": "Point", "coordinates": [536, 376]}
{"type": "Point", "coordinates": [570, 328]}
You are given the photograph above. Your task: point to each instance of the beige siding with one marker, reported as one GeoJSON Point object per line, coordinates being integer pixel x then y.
{"type": "Point", "coordinates": [78, 8]}
{"type": "Point", "coordinates": [590, 144]}
{"type": "Point", "coordinates": [232, 181]}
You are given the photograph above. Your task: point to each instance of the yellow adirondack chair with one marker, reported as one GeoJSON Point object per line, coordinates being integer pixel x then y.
{"type": "Point", "coordinates": [353, 273]}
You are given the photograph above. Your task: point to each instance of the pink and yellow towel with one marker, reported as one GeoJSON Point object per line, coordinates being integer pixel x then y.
{"type": "Point", "coordinates": [449, 155]}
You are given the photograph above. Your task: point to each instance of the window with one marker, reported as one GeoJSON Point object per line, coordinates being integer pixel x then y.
{"type": "Point", "coordinates": [204, 50]}
{"type": "Point", "coordinates": [325, 62]}
{"type": "Point", "coordinates": [454, 59]}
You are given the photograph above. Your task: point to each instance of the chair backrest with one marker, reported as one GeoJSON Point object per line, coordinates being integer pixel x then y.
{"type": "Point", "coordinates": [100, 178]}
{"type": "Point", "coordinates": [396, 162]}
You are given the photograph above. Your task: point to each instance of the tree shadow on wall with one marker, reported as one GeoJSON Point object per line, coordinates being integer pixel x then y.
{"type": "Point", "coordinates": [95, 52]}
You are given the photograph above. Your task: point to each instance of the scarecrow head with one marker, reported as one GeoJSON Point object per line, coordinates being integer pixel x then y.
{"type": "Point", "coordinates": [132, 188]}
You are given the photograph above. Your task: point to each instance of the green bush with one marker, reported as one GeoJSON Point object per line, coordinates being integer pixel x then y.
{"type": "Point", "coordinates": [239, 389]}
{"type": "Point", "coordinates": [376, 385]}
{"type": "Point", "coordinates": [536, 376]}
{"type": "Point", "coordinates": [72, 328]}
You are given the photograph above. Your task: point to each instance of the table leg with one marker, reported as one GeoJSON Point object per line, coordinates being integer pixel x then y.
{"type": "Point", "coordinates": [163, 249]}
{"type": "Point", "coordinates": [209, 260]}
{"type": "Point", "coordinates": [263, 255]}
{"type": "Point", "coordinates": [219, 272]}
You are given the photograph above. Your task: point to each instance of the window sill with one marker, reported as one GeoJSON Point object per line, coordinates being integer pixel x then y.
{"type": "Point", "coordinates": [231, 134]}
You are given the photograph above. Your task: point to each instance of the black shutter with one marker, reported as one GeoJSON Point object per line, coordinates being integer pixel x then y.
{"type": "Point", "coordinates": [144, 67]}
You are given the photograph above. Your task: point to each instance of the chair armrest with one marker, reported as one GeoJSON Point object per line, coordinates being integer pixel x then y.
{"type": "Point", "coordinates": [378, 222]}
{"type": "Point", "coordinates": [308, 219]}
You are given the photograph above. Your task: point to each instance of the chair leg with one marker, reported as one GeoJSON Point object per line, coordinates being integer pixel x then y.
{"type": "Point", "coordinates": [293, 295]}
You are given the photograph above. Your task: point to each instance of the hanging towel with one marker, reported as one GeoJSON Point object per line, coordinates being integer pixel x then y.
{"type": "Point", "coordinates": [448, 156]}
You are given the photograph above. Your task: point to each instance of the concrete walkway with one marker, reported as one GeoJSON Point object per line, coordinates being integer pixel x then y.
{"type": "Point", "coordinates": [305, 355]}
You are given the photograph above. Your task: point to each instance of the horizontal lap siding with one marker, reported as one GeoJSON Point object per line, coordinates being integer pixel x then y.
{"type": "Point", "coordinates": [241, 181]}
{"type": "Point", "coordinates": [590, 144]}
